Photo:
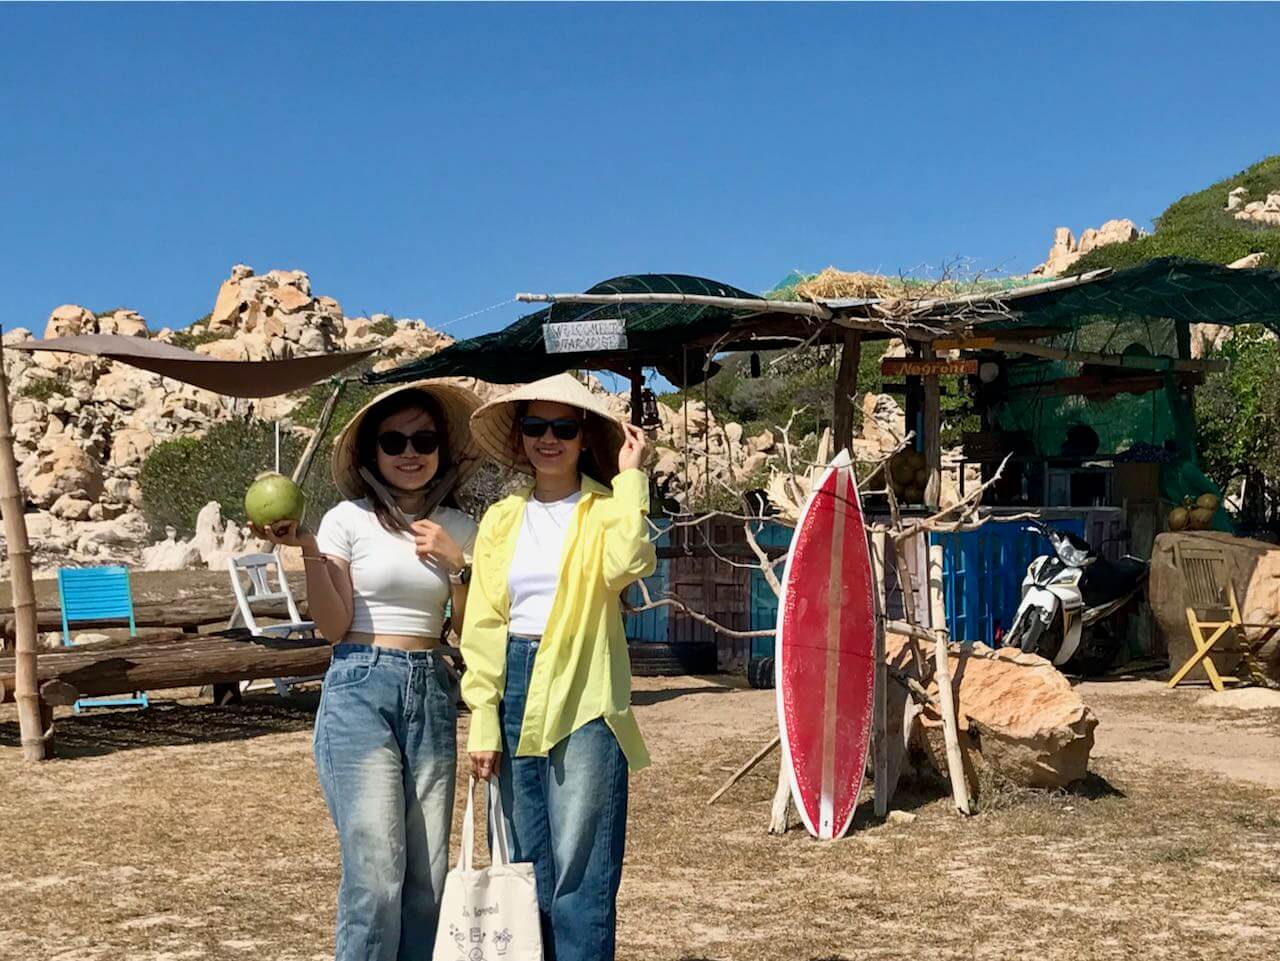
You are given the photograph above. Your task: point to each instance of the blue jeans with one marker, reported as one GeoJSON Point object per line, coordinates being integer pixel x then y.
{"type": "Point", "coordinates": [386, 755]}
{"type": "Point", "coordinates": [567, 813]}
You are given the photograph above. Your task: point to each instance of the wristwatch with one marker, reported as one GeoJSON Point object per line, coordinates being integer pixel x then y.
{"type": "Point", "coordinates": [461, 576]}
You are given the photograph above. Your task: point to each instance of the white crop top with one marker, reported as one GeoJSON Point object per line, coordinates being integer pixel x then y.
{"type": "Point", "coordinates": [535, 567]}
{"type": "Point", "coordinates": [393, 592]}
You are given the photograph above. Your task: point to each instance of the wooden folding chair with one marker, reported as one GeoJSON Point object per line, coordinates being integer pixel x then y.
{"type": "Point", "coordinates": [1213, 614]}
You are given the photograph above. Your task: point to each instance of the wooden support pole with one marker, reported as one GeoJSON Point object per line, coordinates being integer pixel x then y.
{"type": "Point", "coordinates": [946, 697]}
{"type": "Point", "coordinates": [35, 734]}
{"type": "Point", "coordinates": [322, 425]}
{"type": "Point", "coordinates": [932, 435]}
{"type": "Point", "coordinates": [880, 695]}
{"type": "Point", "coordinates": [637, 396]}
{"type": "Point", "coordinates": [781, 800]}
{"type": "Point", "coordinates": [846, 386]}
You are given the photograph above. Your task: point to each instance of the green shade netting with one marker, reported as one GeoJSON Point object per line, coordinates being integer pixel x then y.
{"type": "Point", "coordinates": [656, 335]}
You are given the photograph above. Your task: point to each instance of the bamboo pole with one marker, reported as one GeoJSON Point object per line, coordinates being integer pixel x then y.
{"type": "Point", "coordinates": [880, 695]}
{"type": "Point", "coordinates": [1002, 296]}
{"type": "Point", "coordinates": [942, 675]}
{"type": "Point", "coordinates": [757, 304]}
{"type": "Point", "coordinates": [36, 737]}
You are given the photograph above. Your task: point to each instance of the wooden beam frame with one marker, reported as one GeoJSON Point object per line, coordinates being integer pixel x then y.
{"type": "Point", "coordinates": [846, 385]}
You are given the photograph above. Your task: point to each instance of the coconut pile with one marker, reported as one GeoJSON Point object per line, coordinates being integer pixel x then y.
{"type": "Point", "coordinates": [1194, 514]}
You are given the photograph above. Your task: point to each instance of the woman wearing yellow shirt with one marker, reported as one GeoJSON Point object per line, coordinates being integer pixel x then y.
{"type": "Point", "coordinates": [548, 678]}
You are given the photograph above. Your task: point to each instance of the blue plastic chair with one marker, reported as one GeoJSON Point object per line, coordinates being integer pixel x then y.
{"type": "Point", "coordinates": [97, 594]}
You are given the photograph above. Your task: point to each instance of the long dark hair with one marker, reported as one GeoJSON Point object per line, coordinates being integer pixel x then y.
{"type": "Point", "coordinates": [367, 447]}
{"type": "Point", "coordinates": [598, 459]}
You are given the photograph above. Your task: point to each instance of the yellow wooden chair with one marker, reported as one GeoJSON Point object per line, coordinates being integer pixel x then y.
{"type": "Point", "coordinates": [1213, 613]}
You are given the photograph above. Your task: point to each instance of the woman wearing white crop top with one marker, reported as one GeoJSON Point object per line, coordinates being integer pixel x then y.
{"type": "Point", "coordinates": [380, 572]}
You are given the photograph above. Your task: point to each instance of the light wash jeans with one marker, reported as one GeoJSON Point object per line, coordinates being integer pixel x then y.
{"type": "Point", "coordinates": [386, 754]}
{"type": "Point", "coordinates": [567, 813]}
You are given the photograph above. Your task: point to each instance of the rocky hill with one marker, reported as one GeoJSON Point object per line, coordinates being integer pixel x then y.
{"type": "Point", "coordinates": [1235, 221]}
{"type": "Point", "coordinates": [83, 426]}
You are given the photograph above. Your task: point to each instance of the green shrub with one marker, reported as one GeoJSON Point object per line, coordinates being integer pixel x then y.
{"type": "Point", "coordinates": [383, 328]}
{"type": "Point", "coordinates": [180, 476]}
{"type": "Point", "coordinates": [44, 388]}
{"type": "Point", "coordinates": [189, 341]}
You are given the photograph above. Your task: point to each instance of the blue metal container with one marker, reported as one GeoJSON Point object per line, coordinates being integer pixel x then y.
{"type": "Point", "coordinates": [982, 572]}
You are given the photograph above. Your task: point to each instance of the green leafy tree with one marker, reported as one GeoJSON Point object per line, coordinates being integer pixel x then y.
{"type": "Point", "coordinates": [1237, 411]}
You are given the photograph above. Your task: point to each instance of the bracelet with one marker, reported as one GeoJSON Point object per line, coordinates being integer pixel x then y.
{"type": "Point", "coordinates": [314, 557]}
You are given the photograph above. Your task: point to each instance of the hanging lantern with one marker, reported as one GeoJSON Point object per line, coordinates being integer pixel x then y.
{"type": "Point", "coordinates": [755, 366]}
{"type": "Point", "coordinates": [649, 416]}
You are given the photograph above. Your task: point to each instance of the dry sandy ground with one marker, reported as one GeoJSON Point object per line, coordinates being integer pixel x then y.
{"type": "Point", "coordinates": [193, 832]}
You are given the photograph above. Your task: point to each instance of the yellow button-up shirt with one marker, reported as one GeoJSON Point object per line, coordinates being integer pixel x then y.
{"type": "Point", "coordinates": [582, 670]}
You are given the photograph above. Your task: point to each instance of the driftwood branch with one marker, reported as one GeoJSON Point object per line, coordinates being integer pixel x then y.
{"type": "Point", "coordinates": [670, 600]}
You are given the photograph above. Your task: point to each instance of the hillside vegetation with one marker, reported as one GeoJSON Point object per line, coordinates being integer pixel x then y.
{"type": "Point", "coordinates": [1198, 226]}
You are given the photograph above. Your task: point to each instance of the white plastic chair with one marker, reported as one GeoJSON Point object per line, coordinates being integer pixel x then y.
{"type": "Point", "coordinates": [256, 569]}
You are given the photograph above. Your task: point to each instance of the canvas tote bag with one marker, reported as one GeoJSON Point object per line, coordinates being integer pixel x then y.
{"type": "Point", "coordinates": [488, 914]}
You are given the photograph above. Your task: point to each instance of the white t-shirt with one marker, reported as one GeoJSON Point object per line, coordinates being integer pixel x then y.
{"type": "Point", "coordinates": [535, 568]}
{"type": "Point", "coordinates": [393, 592]}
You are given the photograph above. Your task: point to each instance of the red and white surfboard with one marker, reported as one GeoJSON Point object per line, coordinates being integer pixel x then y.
{"type": "Point", "coordinates": [825, 649]}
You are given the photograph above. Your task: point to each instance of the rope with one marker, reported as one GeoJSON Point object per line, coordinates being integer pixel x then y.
{"type": "Point", "coordinates": [476, 313]}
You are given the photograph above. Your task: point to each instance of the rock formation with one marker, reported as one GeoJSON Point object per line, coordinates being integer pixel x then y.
{"type": "Point", "coordinates": [1266, 212]}
{"type": "Point", "coordinates": [1066, 250]}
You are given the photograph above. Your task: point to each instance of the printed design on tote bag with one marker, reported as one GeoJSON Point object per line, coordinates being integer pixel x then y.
{"type": "Point", "coordinates": [501, 941]}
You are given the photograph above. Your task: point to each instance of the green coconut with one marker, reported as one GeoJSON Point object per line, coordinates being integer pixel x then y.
{"type": "Point", "coordinates": [1201, 519]}
{"type": "Point", "coordinates": [273, 498]}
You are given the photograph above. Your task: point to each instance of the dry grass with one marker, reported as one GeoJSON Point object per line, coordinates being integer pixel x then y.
{"type": "Point", "coordinates": [833, 284]}
{"type": "Point", "coordinates": [191, 832]}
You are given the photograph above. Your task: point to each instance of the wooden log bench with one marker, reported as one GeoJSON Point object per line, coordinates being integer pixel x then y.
{"type": "Point", "coordinates": [221, 659]}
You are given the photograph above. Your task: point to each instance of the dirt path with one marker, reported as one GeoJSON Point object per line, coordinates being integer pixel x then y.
{"type": "Point", "coordinates": [1144, 721]}
{"type": "Point", "coordinates": [190, 833]}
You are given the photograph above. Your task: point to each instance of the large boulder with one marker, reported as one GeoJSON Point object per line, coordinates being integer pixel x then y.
{"type": "Point", "coordinates": [70, 320]}
{"type": "Point", "coordinates": [124, 322]}
{"type": "Point", "coordinates": [1031, 726]}
{"type": "Point", "coordinates": [170, 554]}
{"type": "Point", "coordinates": [1254, 571]}
{"type": "Point", "coordinates": [68, 469]}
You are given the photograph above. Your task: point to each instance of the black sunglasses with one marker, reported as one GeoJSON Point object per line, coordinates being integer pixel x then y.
{"type": "Point", "coordinates": [564, 428]}
{"type": "Point", "coordinates": [393, 443]}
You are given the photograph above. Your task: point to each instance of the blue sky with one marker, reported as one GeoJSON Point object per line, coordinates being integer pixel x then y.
{"type": "Point", "coordinates": [429, 161]}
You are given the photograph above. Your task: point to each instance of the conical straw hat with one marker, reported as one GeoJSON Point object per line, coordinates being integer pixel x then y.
{"type": "Point", "coordinates": [493, 425]}
{"type": "Point", "coordinates": [458, 404]}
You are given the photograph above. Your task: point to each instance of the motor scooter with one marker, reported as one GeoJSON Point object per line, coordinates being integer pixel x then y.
{"type": "Point", "coordinates": [1072, 604]}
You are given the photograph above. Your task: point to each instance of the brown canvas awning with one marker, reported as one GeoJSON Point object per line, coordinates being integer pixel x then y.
{"type": "Point", "coordinates": [233, 378]}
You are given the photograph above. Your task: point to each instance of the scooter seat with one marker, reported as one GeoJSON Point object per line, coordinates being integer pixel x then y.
{"type": "Point", "coordinates": [1105, 580]}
